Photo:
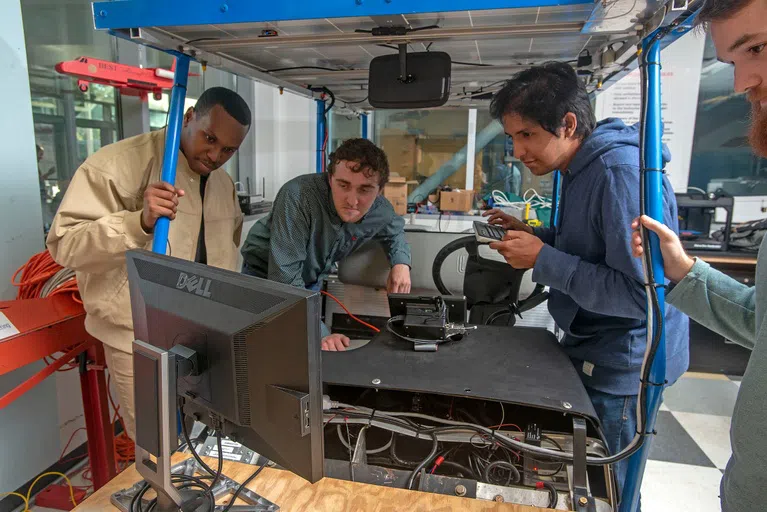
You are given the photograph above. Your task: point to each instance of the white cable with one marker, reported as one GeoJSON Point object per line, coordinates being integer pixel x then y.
{"type": "Point", "coordinates": [239, 187]}
{"type": "Point", "coordinates": [468, 436]}
{"type": "Point", "coordinates": [368, 452]}
{"type": "Point", "coordinates": [536, 200]}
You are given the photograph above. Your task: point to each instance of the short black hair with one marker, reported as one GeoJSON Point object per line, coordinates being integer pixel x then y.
{"type": "Point", "coordinates": [370, 159]}
{"type": "Point", "coordinates": [720, 10]}
{"type": "Point", "coordinates": [229, 100]}
{"type": "Point", "coordinates": [545, 94]}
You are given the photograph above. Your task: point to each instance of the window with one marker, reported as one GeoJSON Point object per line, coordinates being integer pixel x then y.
{"type": "Point", "coordinates": [498, 171]}
{"type": "Point", "coordinates": [343, 127]}
{"type": "Point", "coordinates": [419, 143]}
{"type": "Point", "coordinates": [721, 155]}
{"type": "Point", "coordinates": [70, 125]}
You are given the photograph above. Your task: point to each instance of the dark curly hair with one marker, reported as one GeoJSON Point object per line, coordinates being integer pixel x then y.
{"type": "Point", "coordinates": [370, 159]}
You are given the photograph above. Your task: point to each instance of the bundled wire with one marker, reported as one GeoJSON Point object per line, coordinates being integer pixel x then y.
{"type": "Point", "coordinates": [42, 277]}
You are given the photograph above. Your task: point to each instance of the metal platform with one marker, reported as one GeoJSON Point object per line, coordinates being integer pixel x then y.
{"type": "Point", "coordinates": [225, 487]}
{"type": "Point", "coordinates": [523, 365]}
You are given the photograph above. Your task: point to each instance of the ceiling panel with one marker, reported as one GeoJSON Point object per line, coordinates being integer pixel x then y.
{"type": "Point", "coordinates": [480, 58]}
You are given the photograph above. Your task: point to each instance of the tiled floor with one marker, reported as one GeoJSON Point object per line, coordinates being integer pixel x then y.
{"type": "Point", "coordinates": [690, 451]}
{"type": "Point", "coordinates": [692, 447]}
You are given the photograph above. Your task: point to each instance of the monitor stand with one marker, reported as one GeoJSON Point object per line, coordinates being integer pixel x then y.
{"type": "Point", "coordinates": [155, 376]}
{"type": "Point", "coordinates": [225, 487]}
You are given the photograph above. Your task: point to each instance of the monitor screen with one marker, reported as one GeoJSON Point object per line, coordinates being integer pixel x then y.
{"type": "Point", "coordinates": [259, 343]}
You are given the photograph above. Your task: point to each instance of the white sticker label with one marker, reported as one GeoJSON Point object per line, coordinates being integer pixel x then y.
{"type": "Point", "coordinates": [588, 368]}
{"type": "Point", "coordinates": [7, 329]}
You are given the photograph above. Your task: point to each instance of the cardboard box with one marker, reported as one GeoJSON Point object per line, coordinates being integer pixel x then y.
{"type": "Point", "coordinates": [456, 201]}
{"type": "Point", "coordinates": [401, 151]}
{"type": "Point", "coordinates": [396, 192]}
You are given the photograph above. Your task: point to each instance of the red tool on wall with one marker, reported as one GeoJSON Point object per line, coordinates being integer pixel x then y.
{"type": "Point", "coordinates": [130, 80]}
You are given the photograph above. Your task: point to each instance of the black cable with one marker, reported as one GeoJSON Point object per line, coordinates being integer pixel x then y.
{"type": "Point", "coordinates": [356, 102]}
{"type": "Point", "coordinates": [424, 462]}
{"type": "Point", "coordinates": [295, 68]}
{"type": "Point", "coordinates": [478, 64]}
{"type": "Point", "coordinates": [185, 433]}
{"type": "Point", "coordinates": [220, 460]}
{"type": "Point", "coordinates": [395, 457]}
{"type": "Point", "coordinates": [553, 495]}
{"type": "Point", "coordinates": [514, 472]}
{"type": "Point", "coordinates": [561, 464]}
{"type": "Point", "coordinates": [459, 467]}
{"type": "Point", "coordinates": [242, 486]}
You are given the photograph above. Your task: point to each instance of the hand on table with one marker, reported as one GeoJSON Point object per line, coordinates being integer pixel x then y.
{"type": "Point", "coordinates": [335, 343]}
{"type": "Point", "coordinates": [399, 279]}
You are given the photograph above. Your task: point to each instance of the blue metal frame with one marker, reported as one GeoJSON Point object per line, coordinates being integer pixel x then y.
{"type": "Point", "coordinates": [653, 194]}
{"type": "Point", "coordinates": [320, 134]}
{"type": "Point", "coordinates": [147, 13]}
{"type": "Point", "coordinates": [364, 122]}
{"type": "Point", "coordinates": [555, 200]}
{"type": "Point", "coordinates": [172, 144]}
{"type": "Point", "coordinates": [654, 208]}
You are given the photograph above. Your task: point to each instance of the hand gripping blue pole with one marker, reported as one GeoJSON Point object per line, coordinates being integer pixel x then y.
{"type": "Point", "coordinates": [172, 145]}
{"type": "Point", "coordinates": [653, 208]}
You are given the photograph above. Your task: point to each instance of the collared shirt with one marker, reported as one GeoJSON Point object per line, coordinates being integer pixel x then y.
{"type": "Point", "coordinates": [303, 236]}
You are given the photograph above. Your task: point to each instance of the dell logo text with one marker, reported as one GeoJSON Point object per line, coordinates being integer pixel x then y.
{"type": "Point", "coordinates": [194, 284]}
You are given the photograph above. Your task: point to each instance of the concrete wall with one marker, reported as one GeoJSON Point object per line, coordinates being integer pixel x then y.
{"type": "Point", "coordinates": [29, 435]}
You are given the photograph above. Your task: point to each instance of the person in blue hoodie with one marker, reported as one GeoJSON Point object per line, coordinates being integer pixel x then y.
{"type": "Point", "coordinates": [597, 297]}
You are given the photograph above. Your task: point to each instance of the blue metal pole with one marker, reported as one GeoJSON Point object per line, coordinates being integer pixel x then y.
{"type": "Point", "coordinates": [172, 145]}
{"type": "Point", "coordinates": [320, 134]}
{"type": "Point", "coordinates": [555, 200]}
{"type": "Point", "coordinates": [364, 122]}
{"type": "Point", "coordinates": [654, 208]}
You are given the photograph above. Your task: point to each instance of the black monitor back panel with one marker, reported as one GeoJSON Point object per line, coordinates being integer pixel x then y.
{"type": "Point", "coordinates": [260, 342]}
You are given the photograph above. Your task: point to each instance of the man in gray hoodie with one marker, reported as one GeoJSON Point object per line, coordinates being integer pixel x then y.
{"type": "Point", "coordinates": [715, 300]}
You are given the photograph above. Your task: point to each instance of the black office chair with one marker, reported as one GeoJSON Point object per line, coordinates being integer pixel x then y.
{"type": "Point", "coordinates": [491, 287]}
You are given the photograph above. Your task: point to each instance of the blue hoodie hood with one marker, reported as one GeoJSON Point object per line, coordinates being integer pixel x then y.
{"type": "Point", "coordinates": [610, 134]}
{"type": "Point", "coordinates": [597, 295]}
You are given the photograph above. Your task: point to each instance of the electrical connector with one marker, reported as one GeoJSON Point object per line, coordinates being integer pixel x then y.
{"type": "Point", "coordinates": [328, 404]}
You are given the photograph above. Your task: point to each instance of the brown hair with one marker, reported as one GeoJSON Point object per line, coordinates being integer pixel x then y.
{"type": "Point", "coordinates": [720, 10]}
{"type": "Point", "coordinates": [370, 159]}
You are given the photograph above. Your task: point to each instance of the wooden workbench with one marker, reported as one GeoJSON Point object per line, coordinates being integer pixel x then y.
{"type": "Point", "coordinates": [295, 494]}
{"type": "Point", "coordinates": [726, 258]}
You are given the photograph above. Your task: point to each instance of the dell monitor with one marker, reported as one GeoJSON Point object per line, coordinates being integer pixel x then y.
{"type": "Point", "coordinates": [256, 351]}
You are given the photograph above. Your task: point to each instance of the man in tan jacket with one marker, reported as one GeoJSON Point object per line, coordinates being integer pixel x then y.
{"type": "Point", "coordinates": [114, 201]}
